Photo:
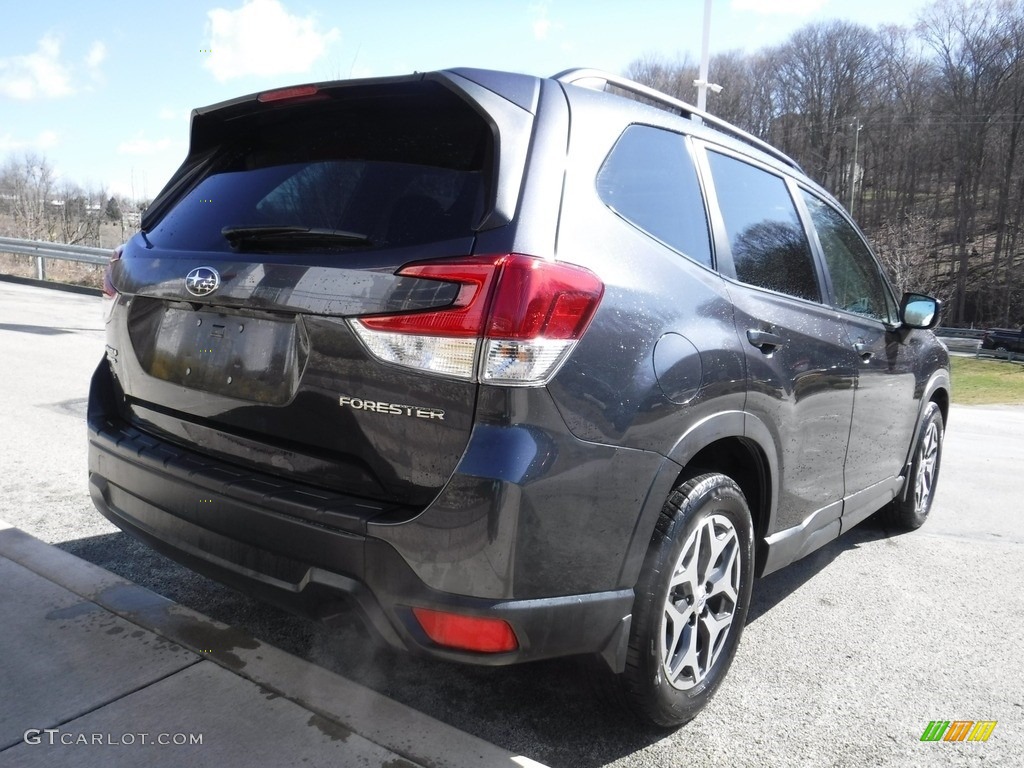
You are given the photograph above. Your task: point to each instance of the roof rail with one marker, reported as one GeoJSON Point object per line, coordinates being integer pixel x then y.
{"type": "Point", "coordinates": [579, 76]}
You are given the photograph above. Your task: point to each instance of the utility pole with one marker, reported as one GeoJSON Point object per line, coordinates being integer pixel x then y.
{"type": "Point", "coordinates": [853, 168]}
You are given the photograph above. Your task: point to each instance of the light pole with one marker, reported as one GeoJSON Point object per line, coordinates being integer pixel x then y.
{"type": "Point", "coordinates": [705, 57]}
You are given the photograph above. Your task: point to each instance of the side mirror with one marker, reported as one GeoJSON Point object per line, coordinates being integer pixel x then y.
{"type": "Point", "coordinates": [919, 311]}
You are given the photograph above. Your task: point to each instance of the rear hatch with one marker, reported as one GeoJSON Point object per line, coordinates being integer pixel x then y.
{"type": "Point", "coordinates": [291, 217]}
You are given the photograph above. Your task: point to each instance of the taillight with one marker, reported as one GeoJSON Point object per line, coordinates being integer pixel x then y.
{"type": "Point", "coordinates": [109, 291]}
{"type": "Point", "coordinates": [514, 321]}
{"type": "Point", "coordinates": [467, 633]}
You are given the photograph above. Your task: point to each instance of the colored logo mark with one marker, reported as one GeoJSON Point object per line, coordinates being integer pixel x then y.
{"type": "Point", "coordinates": [959, 730]}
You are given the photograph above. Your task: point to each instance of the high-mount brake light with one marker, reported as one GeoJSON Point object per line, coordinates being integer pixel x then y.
{"type": "Point", "coordinates": [288, 94]}
{"type": "Point", "coordinates": [514, 321]}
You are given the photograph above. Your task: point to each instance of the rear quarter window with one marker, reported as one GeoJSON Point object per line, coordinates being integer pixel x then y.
{"type": "Point", "coordinates": [649, 179]}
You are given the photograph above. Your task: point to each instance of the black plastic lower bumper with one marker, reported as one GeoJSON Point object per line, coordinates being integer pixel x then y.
{"type": "Point", "coordinates": [275, 540]}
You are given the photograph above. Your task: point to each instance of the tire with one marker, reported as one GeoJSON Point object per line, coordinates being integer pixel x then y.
{"type": "Point", "coordinates": [684, 636]}
{"type": "Point", "coordinates": [910, 513]}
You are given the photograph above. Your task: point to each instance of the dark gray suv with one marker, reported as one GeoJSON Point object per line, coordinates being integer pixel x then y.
{"type": "Point", "coordinates": [521, 367]}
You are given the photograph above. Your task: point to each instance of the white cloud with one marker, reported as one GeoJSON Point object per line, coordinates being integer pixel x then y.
{"type": "Point", "coordinates": [779, 7]}
{"type": "Point", "coordinates": [44, 140]}
{"type": "Point", "coordinates": [97, 54]}
{"type": "Point", "coordinates": [541, 23]}
{"type": "Point", "coordinates": [139, 145]}
{"type": "Point", "coordinates": [35, 75]}
{"type": "Point", "coordinates": [262, 38]}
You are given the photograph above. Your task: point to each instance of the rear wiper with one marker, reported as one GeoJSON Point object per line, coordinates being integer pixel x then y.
{"type": "Point", "coordinates": [293, 235]}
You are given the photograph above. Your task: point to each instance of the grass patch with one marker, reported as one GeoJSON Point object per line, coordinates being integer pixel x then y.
{"type": "Point", "coordinates": [986, 382]}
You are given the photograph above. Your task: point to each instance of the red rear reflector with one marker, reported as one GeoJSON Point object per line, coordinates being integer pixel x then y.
{"type": "Point", "coordinates": [284, 94]}
{"type": "Point", "coordinates": [468, 633]}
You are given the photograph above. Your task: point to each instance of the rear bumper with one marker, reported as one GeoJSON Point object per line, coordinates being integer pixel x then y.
{"type": "Point", "coordinates": [319, 553]}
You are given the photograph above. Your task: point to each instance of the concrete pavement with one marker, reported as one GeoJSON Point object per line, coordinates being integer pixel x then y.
{"type": "Point", "coordinates": [96, 671]}
{"type": "Point", "coordinates": [846, 657]}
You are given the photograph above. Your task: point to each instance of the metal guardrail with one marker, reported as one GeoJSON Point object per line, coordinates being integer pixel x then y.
{"type": "Point", "coordinates": [963, 346]}
{"type": "Point", "coordinates": [960, 333]}
{"type": "Point", "coordinates": [45, 250]}
{"type": "Point", "coordinates": [969, 340]}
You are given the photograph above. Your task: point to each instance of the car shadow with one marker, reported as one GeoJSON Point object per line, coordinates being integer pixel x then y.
{"type": "Point", "coordinates": [770, 590]}
{"type": "Point", "coordinates": [560, 713]}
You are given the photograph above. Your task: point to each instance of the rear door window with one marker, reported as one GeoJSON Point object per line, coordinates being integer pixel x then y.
{"type": "Point", "coordinates": [768, 243]}
{"type": "Point", "coordinates": [649, 179]}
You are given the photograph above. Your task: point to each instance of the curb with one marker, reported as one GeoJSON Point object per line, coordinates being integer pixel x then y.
{"type": "Point", "coordinates": [52, 284]}
{"type": "Point", "coordinates": [390, 724]}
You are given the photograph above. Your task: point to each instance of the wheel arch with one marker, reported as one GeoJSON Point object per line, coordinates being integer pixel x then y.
{"type": "Point", "coordinates": [936, 390]}
{"type": "Point", "coordinates": [734, 444]}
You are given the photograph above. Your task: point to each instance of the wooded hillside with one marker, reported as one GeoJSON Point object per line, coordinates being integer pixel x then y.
{"type": "Point", "coordinates": [933, 115]}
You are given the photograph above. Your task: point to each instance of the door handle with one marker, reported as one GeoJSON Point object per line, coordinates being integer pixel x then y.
{"type": "Point", "coordinates": [864, 350]}
{"type": "Point", "coordinates": [766, 341]}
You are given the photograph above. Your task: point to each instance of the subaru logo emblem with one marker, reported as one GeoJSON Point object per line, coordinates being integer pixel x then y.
{"type": "Point", "coordinates": [202, 281]}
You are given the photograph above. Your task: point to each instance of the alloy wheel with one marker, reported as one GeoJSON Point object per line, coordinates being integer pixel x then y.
{"type": "Point", "coordinates": [702, 598]}
{"type": "Point", "coordinates": [927, 464]}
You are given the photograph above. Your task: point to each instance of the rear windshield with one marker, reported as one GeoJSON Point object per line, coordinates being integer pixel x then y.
{"type": "Point", "coordinates": [379, 169]}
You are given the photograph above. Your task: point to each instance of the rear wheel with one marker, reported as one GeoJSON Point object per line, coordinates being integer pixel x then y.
{"type": "Point", "coordinates": [911, 512]}
{"type": "Point", "coordinates": [691, 601]}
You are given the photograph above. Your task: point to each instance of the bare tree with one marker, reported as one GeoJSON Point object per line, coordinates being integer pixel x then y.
{"type": "Point", "coordinates": [902, 136]}
{"type": "Point", "coordinates": [972, 42]}
{"type": "Point", "coordinates": [903, 245]}
{"type": "Point", "coordinates": [77, 214]}
{"type": "Point", "coordinates": [940, 163]}
{"type": "Point", "coordinates": [674, 78]}
{"type": "Point", "coordinates": [826, 73]}
{"type": "Point", "coordinates": [29, 183]}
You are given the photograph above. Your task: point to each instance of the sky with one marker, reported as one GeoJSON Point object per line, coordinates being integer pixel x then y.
{"type": "Point", "coordinates": [103, 90]}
